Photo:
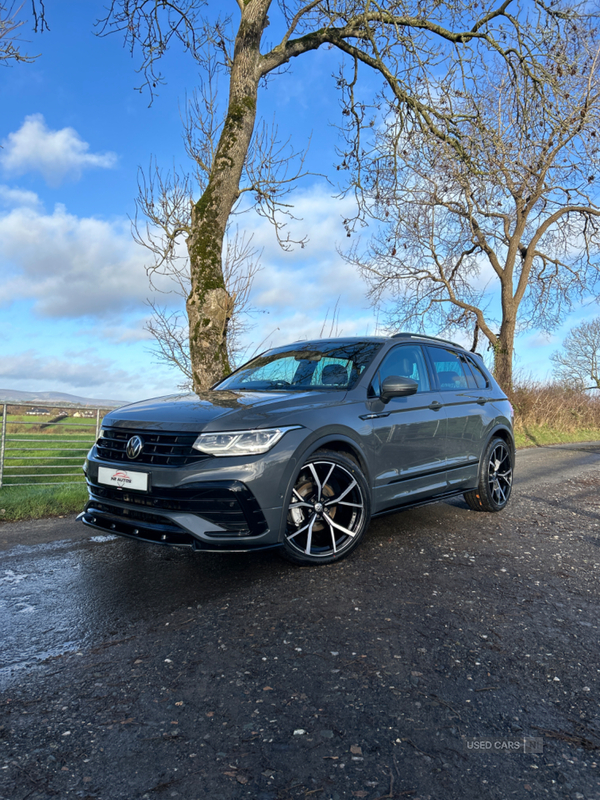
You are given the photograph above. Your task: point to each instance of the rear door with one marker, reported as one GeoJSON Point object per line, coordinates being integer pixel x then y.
{"type": "Point", "coordinates": [407, 443]}
{"type": "Point", "coordinates": [467, 411]}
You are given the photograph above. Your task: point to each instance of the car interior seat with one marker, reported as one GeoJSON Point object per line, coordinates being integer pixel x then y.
{"type": "Point", "coordinates": [334, 374]}
{"type": "Point", "coordinates": [451, 380]}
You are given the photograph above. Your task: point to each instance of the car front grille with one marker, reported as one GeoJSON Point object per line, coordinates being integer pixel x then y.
{"type": "Point", "coordinates": [161, 449]}
{"type": "Point", "coordinates": [227, 504]}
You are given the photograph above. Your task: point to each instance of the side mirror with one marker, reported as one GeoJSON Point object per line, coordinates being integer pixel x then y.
{"type": "Point", "coordinates": [395, 386]}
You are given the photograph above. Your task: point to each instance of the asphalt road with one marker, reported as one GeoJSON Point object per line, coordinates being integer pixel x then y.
{"type": "Point", "coordinates": [132, 671]}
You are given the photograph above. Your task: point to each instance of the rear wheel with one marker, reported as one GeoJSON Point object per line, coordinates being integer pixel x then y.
{"type": "Point", "coordinates": [329, 510]}
{"type": "Point", "coordinates": [495, 478]}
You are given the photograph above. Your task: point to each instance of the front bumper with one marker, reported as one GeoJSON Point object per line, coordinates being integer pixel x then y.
{"type": "Point", "coordinates": [204, 515]}
{"type": "Point", "coordinates": [216, 504]}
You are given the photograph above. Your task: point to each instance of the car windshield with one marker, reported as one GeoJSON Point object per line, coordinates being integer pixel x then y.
{"type": "Point", "coordinates": [308, 366]}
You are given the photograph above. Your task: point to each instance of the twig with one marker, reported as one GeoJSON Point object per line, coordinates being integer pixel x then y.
{"type": "Point", "coordinates": [580, 741]}
{"type": "Point", "coordinates": [443, 702]}
{"type": "Point", "coordinates": [418, 749]}
{"type": "Point", "coordinates": [390, 793]}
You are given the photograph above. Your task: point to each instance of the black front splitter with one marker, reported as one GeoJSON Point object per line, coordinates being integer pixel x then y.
{"type": "Point", "coordinates": [157, 534]}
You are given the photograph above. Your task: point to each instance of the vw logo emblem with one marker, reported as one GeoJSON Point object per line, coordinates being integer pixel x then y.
{"type": "Point", "coordinates": [135, 446]}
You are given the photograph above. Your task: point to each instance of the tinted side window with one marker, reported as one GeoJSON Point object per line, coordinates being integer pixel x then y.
{"type": "Point", "coordinates": [480, 379]}
{"type": "Point", "coordinates": [467, 370]}
{"type": "Point", "coordinates": [449, 369]}
{"type": "Point", "coordinates": [407, 361]}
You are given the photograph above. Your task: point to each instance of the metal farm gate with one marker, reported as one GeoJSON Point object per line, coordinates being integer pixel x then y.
{"type": "Point", "coordinates": [45, 452]}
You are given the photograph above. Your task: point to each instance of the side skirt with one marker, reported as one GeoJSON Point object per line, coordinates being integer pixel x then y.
{"type": "Point", "coordinates": [426, 502]}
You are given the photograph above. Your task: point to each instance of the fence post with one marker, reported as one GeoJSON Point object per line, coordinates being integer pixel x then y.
{"type": "Point", "coordinates": [2, 442]}
{"type": "Point", "coordinates": [97, 423]}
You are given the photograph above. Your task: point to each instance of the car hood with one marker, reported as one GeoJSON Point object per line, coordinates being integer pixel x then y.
{"type": "Point", "coordinates": [220, 410]}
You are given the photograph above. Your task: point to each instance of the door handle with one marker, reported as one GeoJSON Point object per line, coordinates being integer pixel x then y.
{"type": "Point", "coordinates": [435, 405]}
{"type": "Point", "coordinates": [482, 400]}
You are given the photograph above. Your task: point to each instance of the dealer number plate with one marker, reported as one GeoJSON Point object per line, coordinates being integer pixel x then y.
{"type": "Point", "coordinates": [123, 479]}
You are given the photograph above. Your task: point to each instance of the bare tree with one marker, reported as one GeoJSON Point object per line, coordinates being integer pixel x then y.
{"type": "Point", "coordinates": [403, 40]}
{"type": "Point", "coordinates": [169, 328]}
{"type": "Point", "coordinates": [491, 221]}
{"type": "Point", "coordinates": [578, 362]}
{"type": "Point", "coordinates": [164, 217]}
{"type": "Point", "coordinates": [11, 25]}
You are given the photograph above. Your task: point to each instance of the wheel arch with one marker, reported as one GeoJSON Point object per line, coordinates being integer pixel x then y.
{"type": "Point", "coordinates": [348, 448]}
{"type": "Point", "coordinates": [502, 432]}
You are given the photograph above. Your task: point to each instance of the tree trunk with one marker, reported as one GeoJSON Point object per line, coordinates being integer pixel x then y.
{"type": "Point", "coordinates": [209, 305]}
{"type": "Point", "coordinates": [504, 351]}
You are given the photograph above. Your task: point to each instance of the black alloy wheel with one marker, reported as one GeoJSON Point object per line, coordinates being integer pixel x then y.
{"type": "Point", "coordinates": [495, 478]}
{"type": "Point", "coordinates": [329, 510]}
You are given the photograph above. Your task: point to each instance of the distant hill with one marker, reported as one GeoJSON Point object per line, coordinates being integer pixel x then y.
{"type": "Point", "coordinates": [56, 398]}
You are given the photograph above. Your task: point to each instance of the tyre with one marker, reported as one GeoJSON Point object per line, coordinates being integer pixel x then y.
{"type": "Point", "coordinates": [329, 510]}
{"type": "Point", "coordinates": [495, 478]}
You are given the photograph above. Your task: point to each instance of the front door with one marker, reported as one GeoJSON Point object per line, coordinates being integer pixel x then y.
{"type": "Point", "coordinates": [408, 439]}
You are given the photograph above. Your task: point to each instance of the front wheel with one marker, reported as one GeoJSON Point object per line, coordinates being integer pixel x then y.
{"type": "Point", "coordinates": [495, 478]}
{"type": "Point", "coordinates": [328, 512]}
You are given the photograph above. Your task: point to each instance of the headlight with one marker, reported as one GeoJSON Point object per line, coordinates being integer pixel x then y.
{"type": "Point", "coordinates": [240, 443]}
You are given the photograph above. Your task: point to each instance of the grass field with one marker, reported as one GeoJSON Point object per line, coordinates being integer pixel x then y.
{"type": "Point", "coordinates": [28, 421]}
{"type": "Point", "coordinates": [35, 502]}
{"type": "Point", "coordinates": [37, 452]}
{"type": "Point", "coordinates": [29, 459]}
{"type": "Point", "coordinates": [540, 435]}
{"type": "Point", "coordinates": [48, 455]}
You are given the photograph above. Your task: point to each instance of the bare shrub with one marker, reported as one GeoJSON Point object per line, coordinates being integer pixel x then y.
{"type": "Point", "coordinates": [555, 406]}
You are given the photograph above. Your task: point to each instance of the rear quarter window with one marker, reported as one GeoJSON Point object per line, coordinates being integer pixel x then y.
{"type": "Point", "coordinates": [449, 369]}
{"type": "Point", "coordinates": [480, 380]}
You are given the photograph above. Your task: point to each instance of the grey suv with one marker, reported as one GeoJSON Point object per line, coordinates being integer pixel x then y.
{"type": "Point", "coordinates": [301, 446]}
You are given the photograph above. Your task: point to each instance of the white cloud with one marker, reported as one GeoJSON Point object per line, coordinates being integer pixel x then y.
{"type": "Point", "coordinates": [319, 216]}
{"type": "Point", "coordinates": [121, 334]}
{"type": "Point", "coordinates": [57, 155]}
{"type": "Point", "coordinates": [297, 326]}
{"type": "Point", "coordinates": [85, 270]}
{"type": "Point", "coordinates": [317, 283]}
{"type": "Point", "coordinates": [71, 266]}
{"type": "Point", "coordinates": [84, 373]}
{"type": "Point", "coordinates": [298, 290]}
{"type": "Point", "coordinates": [539, 339]}
{"type": "Point", "coordinates": [17, 197]}
{"type": "Point", "coordinates": [57, 370]}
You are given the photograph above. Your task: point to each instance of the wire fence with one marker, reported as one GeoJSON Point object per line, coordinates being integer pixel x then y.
{"type": "Point", "coordinates": [46, 446]}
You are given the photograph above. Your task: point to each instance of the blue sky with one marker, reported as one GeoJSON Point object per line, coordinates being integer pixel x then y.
{"type": "Point", "coordinates": [73, 286]}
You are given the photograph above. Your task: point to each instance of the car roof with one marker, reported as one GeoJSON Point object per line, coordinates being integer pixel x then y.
{"type": "Point", "coordinates": [379, 339]}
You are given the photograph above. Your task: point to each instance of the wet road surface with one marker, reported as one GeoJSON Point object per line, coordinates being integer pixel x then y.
{"type": "Point", "coordinates": [100, 633]}
{"type": "Point", "coordinates": [79, 589]}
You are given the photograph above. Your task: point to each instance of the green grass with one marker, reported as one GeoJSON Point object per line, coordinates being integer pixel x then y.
{"type": "Point", "coordinates": [22, 423]}
{"type": "Point", "coordinates": [56, 451]}
{"type": "Point", "coordinates": [539, 435]}
{"type": "Point", "coordinates": [33, 458]}
{"type": "Point", "coordinates": [36, 502]}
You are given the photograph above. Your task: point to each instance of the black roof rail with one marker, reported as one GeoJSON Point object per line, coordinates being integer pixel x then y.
{"type": "Point", "coordinates": [409, 335]}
